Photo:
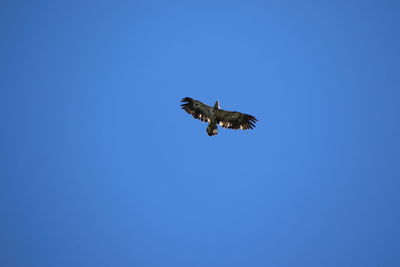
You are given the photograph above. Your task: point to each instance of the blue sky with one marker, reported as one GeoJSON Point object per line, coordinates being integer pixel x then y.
{"type": "Point", "coordinates": [101, 167]}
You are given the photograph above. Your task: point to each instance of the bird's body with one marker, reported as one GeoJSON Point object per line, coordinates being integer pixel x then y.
{"type": "Point", "coordinates": [214, 116]}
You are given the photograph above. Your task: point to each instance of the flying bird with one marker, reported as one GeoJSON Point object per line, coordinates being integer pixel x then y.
{"type": "Point", "coordinates": [215, 115]}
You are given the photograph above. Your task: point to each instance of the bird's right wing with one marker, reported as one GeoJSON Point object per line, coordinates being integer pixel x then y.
{"type": "Point", "coordinates": [197, 109]}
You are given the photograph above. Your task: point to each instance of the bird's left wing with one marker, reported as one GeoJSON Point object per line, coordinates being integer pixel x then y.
{"type": "Point", "coordinates": [236, 120]}
{"type": "Point", "coordinates": [197, 109]}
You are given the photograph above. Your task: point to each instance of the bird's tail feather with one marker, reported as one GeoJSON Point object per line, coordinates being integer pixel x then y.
{"type": "Point", "coordinates": [212, 129]}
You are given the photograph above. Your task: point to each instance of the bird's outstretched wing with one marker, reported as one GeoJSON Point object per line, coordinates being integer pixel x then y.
{"type": "Point", "coordinates": [235, 120]}
{"type": "Point", "coordinates": [197, 109]}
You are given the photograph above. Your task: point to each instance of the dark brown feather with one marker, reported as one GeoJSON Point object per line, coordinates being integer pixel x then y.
{"type": "Point", "coordinates": [197, 109]}
{"type": "Point", "coordinates": [236, 120]}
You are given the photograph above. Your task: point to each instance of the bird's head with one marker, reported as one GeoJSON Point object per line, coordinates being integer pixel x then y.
{"type": "Point", "coordinates": [216, 105]}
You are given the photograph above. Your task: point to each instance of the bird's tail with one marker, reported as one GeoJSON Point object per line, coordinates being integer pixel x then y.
{"type": "Point", "coordinates": [212, 129]}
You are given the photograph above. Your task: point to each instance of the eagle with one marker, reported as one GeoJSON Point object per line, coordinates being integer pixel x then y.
{"type": "Point", "coordinates": [214, 116]}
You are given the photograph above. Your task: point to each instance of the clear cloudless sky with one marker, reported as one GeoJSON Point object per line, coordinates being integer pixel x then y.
{"type": "Point", "coordinates": [99, 166]}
